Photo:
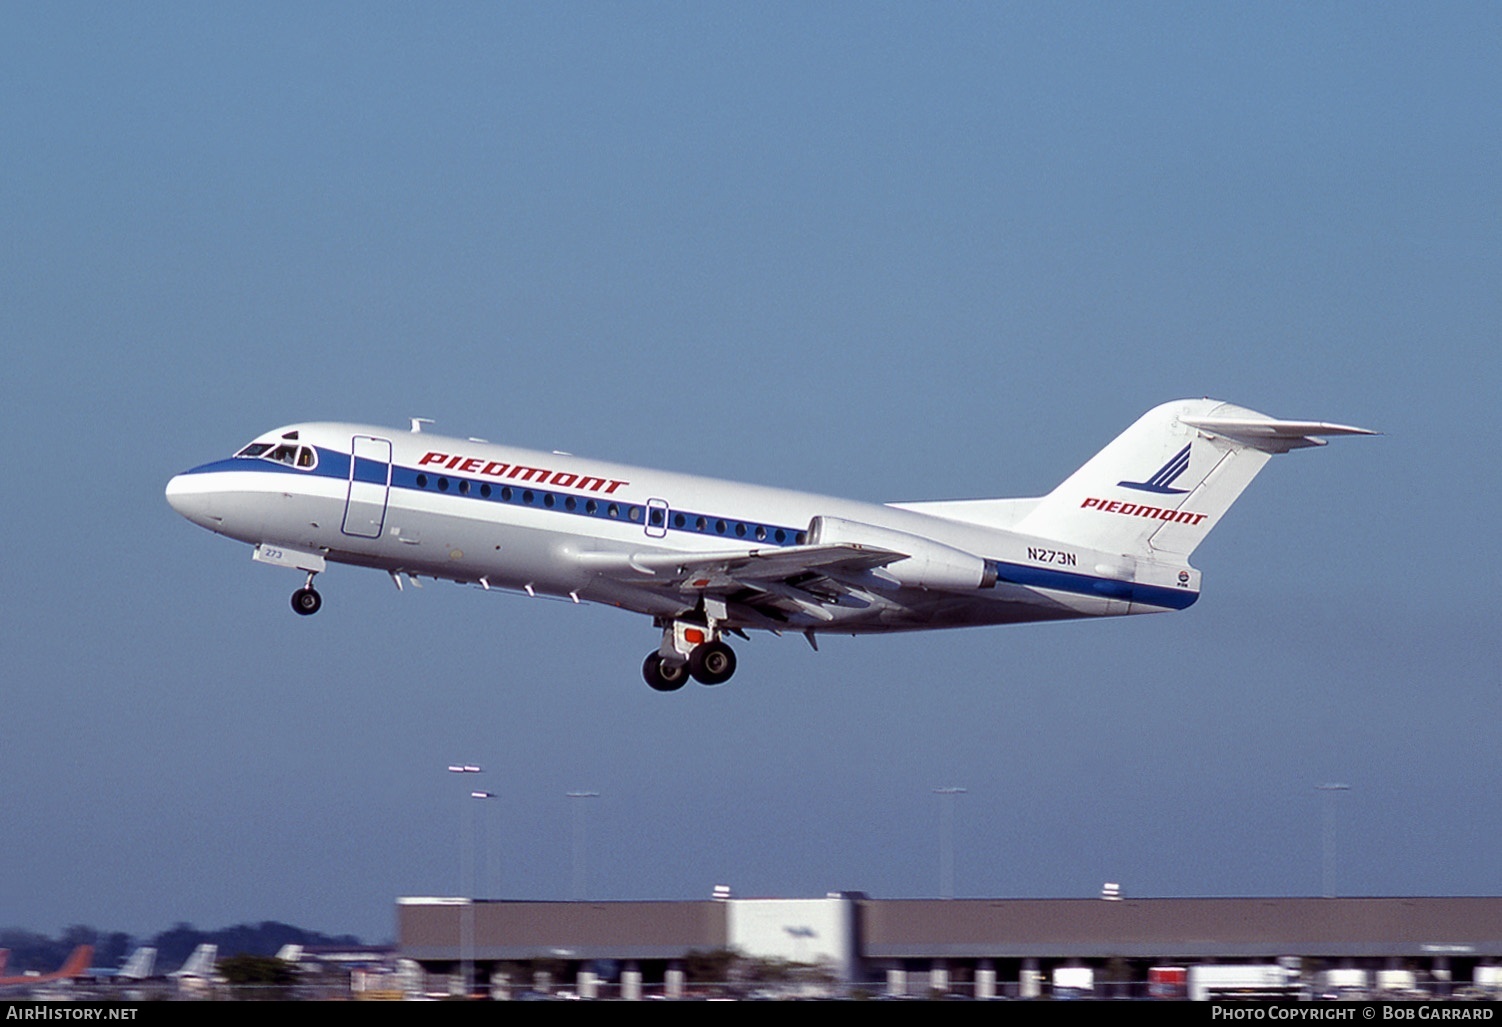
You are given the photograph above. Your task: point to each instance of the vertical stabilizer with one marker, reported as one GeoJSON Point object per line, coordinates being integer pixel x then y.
{"type": "Point", "coordinates": [202, 963]}
{"type": "Point", "coordinates": [140, 965]}
{"type": "Point", "coordinates": [1161, 485]}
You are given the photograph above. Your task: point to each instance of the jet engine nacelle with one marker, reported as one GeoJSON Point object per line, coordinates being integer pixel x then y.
{"type": "Point", "coordinates": [928, 564]}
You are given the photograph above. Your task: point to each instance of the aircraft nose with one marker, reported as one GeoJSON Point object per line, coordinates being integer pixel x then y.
{"type": "Point", "coordinates": [186, 495]}
{"type": "Point", "coordinates": [177, 494]}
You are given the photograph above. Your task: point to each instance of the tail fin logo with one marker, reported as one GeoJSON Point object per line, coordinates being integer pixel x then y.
{"type": "Point", "coordinates": [1164, 477]}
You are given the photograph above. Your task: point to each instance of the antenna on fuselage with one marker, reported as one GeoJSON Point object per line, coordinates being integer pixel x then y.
{"type": "Point", "coordinates": [418, 422]}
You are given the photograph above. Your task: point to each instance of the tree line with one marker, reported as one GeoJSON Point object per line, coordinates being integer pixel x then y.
{"type": "Point", "coordinates": [32, 951]}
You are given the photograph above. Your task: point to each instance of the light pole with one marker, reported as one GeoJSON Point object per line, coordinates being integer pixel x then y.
{"type": "Point", "coordinates": [466, 885]}
{"type": "Point", "coordinates": [580, 849]}
{"type": "Point", "coordinates": [946, 839]}
{"type": "Point", "coordinates": [482, 847]}
{"type": "Point", "coordinates": [469, 901]}
{"type": "Point", "coordinates": [1328, 877]}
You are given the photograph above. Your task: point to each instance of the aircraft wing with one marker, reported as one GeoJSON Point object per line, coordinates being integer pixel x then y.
{"type": "Point", "coordinates": [768, 583]}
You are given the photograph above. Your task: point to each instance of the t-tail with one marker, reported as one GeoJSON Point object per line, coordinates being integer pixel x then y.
{"type": "Point", "coordinates": [1156, 491]}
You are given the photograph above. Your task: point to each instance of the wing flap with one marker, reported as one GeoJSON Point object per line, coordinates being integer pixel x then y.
{"type": "Point", "coordinates": [763, 588]}
{"type": "Point", "coordinates": [719, 571]}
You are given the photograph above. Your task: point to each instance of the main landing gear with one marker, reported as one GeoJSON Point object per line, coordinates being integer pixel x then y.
{"type": "Point", "coordinates": [688, 651]}
{"type": "Point", "coordinates": [663, 676]}
{"type": "Point", "coordinates": [306, 600]}
{"type": "Point", "coordinates": [711, 663]}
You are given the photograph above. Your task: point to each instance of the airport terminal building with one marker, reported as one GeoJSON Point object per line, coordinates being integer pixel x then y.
{"type": "Point", "coordinates": [982, 948]}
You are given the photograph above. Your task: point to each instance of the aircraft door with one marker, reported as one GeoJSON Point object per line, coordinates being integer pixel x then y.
{"type": "Point", "coordinates": [657, 518]}
{"type": "Point", "coordinates": [369, 486]}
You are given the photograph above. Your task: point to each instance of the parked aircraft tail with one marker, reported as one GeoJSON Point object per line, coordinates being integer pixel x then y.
{"type": "Point", "coordinates": [1157, 490]}
{"type": "Point", "coordinates": [202, 963]}
{"type": "Point", "coordinates": [140, 965]}
{"type": "Point", "coordinates": [76, 965]}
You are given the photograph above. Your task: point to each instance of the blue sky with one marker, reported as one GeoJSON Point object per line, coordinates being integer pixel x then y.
{"type": "Point", "coordinates": [890, 251]}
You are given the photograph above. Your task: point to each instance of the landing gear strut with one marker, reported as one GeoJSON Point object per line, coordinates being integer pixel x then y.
{"type": "Point", "coordinates": [306, 600]}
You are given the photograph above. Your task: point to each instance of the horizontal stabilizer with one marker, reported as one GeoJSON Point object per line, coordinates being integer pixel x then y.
{"type": "Point", "coordinates": [1272, 436]}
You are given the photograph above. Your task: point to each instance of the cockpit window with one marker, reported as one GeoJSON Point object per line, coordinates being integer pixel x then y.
{"type": "Point", "coordinates": [304, 458]}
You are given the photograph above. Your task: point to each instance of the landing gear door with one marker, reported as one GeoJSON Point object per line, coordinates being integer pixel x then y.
{"type": "Point", "coordinates": [369, 486]}
{"type": "Point", "coordinates": [657, 518]}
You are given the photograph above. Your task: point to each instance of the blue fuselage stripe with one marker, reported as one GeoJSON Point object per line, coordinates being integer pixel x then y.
{"type": "Point", "coordinates": [1089, 585]}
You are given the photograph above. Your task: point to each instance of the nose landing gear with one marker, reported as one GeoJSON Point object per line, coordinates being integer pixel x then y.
{"type": "Point", "coordinates": [306, 600]}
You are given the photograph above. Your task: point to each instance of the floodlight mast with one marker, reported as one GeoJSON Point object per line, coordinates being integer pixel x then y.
{"type": "Point", "coordinates": [466, 881]}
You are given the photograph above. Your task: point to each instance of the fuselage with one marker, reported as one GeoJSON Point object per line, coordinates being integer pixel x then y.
{"type": "Point", "coordinates": [425, 505]}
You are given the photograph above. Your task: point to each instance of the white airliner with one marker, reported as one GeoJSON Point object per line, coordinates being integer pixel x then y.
{"type": "Point", "coordinates": [705, 558]}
